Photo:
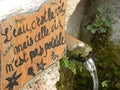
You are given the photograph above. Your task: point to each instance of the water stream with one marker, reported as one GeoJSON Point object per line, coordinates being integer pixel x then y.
{"type": "Point", "coordinates": [90, 66]}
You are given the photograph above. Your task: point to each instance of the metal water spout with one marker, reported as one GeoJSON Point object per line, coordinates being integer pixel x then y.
{"type": "Point", "coordinates": [80, 51]}
{"type": "Point", "coordinates": [77, 48]}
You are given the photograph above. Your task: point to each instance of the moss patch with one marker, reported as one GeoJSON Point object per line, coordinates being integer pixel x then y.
{"type": "Point", "coordinates": [66, 78]}
{"type": "Point", "coordinates": [79, 52]}
{"type": "Point", "coordinates": [107, 61]}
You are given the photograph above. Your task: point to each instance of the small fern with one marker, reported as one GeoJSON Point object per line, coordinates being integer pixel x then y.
{"type": "Point", "coordinates": [71, 65]}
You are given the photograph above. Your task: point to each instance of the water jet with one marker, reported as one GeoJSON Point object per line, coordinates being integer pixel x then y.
{"type": "Point", "coordinates": [82, 52]}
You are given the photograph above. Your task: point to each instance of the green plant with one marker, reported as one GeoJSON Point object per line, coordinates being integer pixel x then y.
{"type": "Point", "coordinates": [105, 83]}
{"type": "Point", "coordinates": [72, 65]}
{"type": "Point", "coordinates": [103, 20]}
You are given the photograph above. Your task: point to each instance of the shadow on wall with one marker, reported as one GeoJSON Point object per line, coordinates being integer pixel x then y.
{"type": "Point", "coordinates": [81, 17]}
{"type": "Point", "coordinates": [73, 24]}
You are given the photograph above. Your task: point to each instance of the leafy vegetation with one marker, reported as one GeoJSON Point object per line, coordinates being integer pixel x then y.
{"type": "Point", "coordinates": [73, 66]}
{"type": "Point", "coordinates": [105, 83]}
{"type": "Point", "coordinates": [102, 21]}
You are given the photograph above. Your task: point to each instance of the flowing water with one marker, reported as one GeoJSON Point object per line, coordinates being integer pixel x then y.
{"type": "Point", "coordinates": [90, 66]}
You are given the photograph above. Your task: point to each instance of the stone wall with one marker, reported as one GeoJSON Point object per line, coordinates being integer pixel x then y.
{"type": "Point", "coordinates": [83, 12]}
{"type": "Point", "coordinates": [73, 17]}
{"type": "Point", "coordinates": [115, 5]}
{"type": "Point", "coordinates": [78, 17]}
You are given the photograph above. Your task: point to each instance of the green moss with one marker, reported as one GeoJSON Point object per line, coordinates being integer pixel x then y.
{"type": "Point", "coordinates": [66, 81]}
{"type": "Point", "coordinates": [83, 51]}
{"type": "Point", "coordinates": [107, 60]}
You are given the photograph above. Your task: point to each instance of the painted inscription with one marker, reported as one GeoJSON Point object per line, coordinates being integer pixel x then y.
{"type": "Point", "coordinates": [30, 43]}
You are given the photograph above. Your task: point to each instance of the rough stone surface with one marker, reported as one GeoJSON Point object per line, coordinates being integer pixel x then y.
{"type": "Point", "coordinates": [115, 4]}
{"type": "Point", "coordinates": [79, 13]}
{"type": "Point", "coordinates": [73, 17]}
{"type": "Point", "coordinates": [45, 80]}
{"type": "Point", "coordinates": [77, 18]}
